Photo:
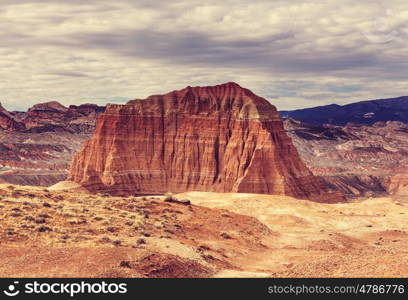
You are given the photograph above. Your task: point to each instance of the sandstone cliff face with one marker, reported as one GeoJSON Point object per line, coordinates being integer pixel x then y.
{"type": "Point", "coordinates": [222, 138]}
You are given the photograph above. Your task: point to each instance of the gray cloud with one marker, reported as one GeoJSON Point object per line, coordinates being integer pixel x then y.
{"type": "Point", "coordinates": [296, 53]}
{"type": "Point", "coordinates": [69, 74]}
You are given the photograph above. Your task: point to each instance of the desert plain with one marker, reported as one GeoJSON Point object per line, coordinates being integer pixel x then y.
{"type": "Point", "coordinates": [63, 231]}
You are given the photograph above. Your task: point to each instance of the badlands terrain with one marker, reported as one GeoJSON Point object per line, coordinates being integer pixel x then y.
{"type": "Point", "coordinates": [357, 159]}
{"type": "Point", "coordinates": [36, 146]}
{"type": "Point", "coordinates": [252, 195]}
{"type": "Point", "coordinates": [66, 232]}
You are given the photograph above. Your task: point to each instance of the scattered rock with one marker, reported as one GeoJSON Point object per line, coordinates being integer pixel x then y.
{"type": "Point", "coordinates": [44, 229]}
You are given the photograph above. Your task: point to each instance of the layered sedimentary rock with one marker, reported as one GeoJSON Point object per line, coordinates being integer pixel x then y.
{"type": "Point", "coordinates": [7, 121]}
{"type": "Point", "coordinates": [53, 116]}
{"type": "Point", "coordinates": [36, 146]}
{"type": "Point", "coordinates": [222, 138]}
{"type": "Point", "coordinates": [356, 159]}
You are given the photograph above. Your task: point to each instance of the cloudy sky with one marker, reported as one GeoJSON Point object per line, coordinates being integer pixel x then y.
{"type": "Point", "coordinates": [294, 53]}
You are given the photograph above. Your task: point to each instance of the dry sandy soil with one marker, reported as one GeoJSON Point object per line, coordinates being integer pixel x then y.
{"type": "Point", "coordinates": [68, 233]}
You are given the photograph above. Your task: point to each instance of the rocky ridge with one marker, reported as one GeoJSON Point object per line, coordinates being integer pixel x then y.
{"type": "Point", "coordinates": [358, 160]}
{"type": "Point", "coordinates": [363, 112]}
{"type": "Point", "coordinates": [36, 146]}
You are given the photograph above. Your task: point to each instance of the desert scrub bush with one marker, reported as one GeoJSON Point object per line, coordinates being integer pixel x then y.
{"type": "Point", "coordinates": [65, 237]}
{"type": "Point", "coordinates": [44, 229]}
{"type": "Point", "coordinates": [111, 229]}
{"type": "Point", "coordinates": [169, 197]}
{"type": "Point", "coordinates": [45, 216]}
{"type": "Point", "coordinates": [105, 239]}
{"type": "Point", "coordinates": [203, 248]}
{"type": "Point", "coordinates": [125, 264]}
{"type": "Point", "coordinates": [117, 242]}
{"type": "Point", "coordinates": [141, 241]}
{"type": "Point", "coordinates": [16, 194]}
{"type": "Point", "coordinates": [226, 236]}
{"type": "Point", "coordinates": [10, 231]}
{"type": "Point", "coordinates": [78, 222]}
{"type": "Point", "coordinates": [58, 198]}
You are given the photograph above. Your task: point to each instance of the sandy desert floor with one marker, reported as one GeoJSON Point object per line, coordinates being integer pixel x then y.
{"type": "Point", "coordinates": [68, 233]}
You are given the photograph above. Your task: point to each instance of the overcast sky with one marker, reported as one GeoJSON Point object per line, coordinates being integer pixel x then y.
{"type": "Point", "coordinates": [294, 53]}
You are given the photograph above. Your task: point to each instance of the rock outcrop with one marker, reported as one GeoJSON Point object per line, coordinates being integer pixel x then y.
{"type": "Point", "coordinates": [357, 160]}
{"type": "Point", "coordinates": [8, 122]}
{"type": "Point", "coordinates": [36, 146]}
{"type": "Point", "coordinates": [222, 138]}
{"type": "Point", "coordinates": [398, 185]}
{"type": "Point", "coordinates": [53, 116]}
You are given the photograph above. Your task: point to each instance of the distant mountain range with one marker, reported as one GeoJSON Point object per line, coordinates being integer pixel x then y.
{"type": "Point", "coordinates": [364, 112]}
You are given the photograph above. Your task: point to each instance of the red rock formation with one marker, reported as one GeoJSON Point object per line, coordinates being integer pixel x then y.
{"type": "Point", "coordinates": [36, 146]}
{"type": "Point", "coordinates": [51, 116]}
{"type": "Point", "coordinates": [7, 122]}
{"type": "Point", "coordinates": [222, 138]}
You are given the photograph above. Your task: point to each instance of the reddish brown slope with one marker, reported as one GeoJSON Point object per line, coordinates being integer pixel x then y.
{"type": "Point", "coordinates": [356, 159]}
{"type": "Point", "coordinates": [7, 122]}
{"type": "Point", "coordinates": [222, 138]}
